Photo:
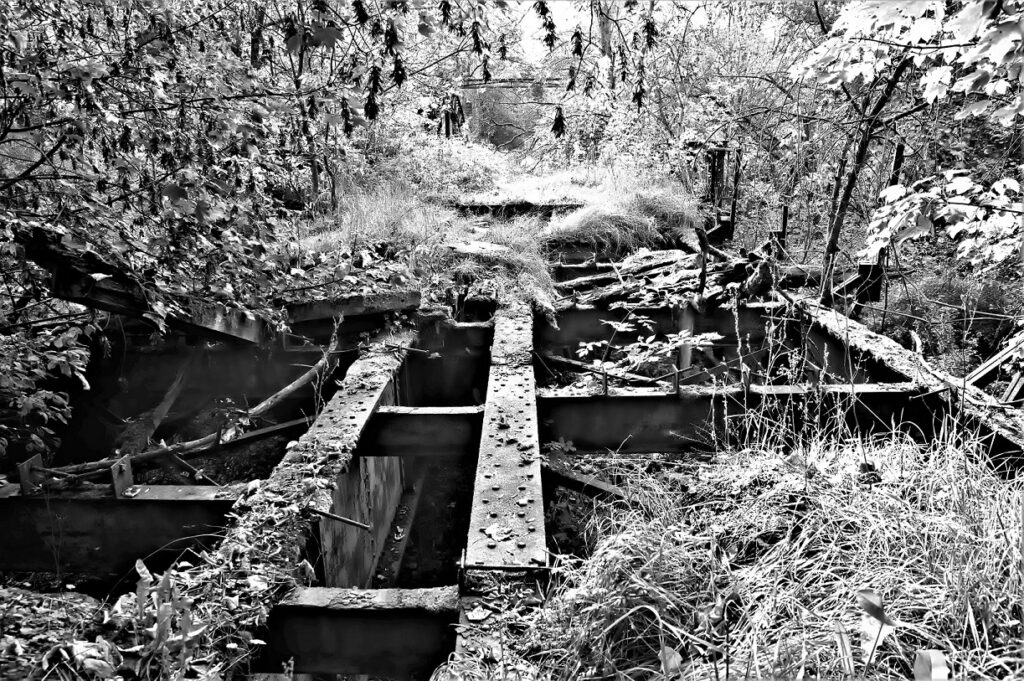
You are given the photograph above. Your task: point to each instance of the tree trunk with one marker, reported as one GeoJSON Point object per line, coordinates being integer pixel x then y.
{"type": "Point", "coordinates": [867, 134]}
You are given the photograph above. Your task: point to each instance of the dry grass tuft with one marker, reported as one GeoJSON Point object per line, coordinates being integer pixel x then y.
{"type": "Point", "coordinates": [507, 259]}
{"type": "Point", "coordinates": [653, 219]}
{"type": "Point", "coordinates": [390, 211]}
{"type": "Point", "coordinates": [750, 566]}
{"type": "Point", "coordinates": [394, 213]}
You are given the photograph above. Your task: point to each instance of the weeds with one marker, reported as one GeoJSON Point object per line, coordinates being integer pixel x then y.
{"type": "Point", "coordinates": [749, 566]}
{"type": "Point", "coordinates": [652, 219]}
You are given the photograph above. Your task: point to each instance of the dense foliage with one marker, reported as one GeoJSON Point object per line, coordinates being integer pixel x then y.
{"type": "Point", "coordinates": [182, 142]}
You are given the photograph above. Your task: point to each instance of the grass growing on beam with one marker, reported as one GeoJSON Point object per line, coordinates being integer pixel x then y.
{"type": "Point", "coordinates": [753, 563]}
{"type": "Point", "coordinates": [395, 214]}
{"type": "Point", "coordinates": [658, 218]}
{"type": "Point", "coordinates": [391, 211]}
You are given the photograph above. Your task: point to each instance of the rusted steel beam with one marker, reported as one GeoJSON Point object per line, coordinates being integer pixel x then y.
{"type": "Point", "coordinates": [97, 533]}
{"type": "Point", "coordinates": [506, 527]}
{"type": "Point", "coordinates": [649, 421]}
{"type": "Point", "coordinates": [354, 306]}
{"type": "Point", "coordinates": [391, 633]}
{"type": "Point", "coordinates": [364, 489]}
{"type": "Point", "coordinates": [1000, 425]}
{"type": "Point", "coordinates": [422, 431]}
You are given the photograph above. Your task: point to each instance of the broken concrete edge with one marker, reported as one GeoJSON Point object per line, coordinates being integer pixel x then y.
{"type": "Point", "coordinates": [263, 555]}
{"type": "Point", "coordinates": [1005, 422]}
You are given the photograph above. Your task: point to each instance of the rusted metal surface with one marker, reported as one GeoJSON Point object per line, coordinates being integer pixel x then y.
{"type": "Point", "coordinates": [636, 420]}
{"type": "Point", "coordinates": [423, 431]}
{"type": "Point", "coordinates": [506, 526]}
{"type": "Point", "coordinates": [391, 633]}
{"type": "Point", "coordinates": [354, 306]}
{"type": "Point", "coordinates": [365, 490]}
{"type": "Point", "coordinates": [1002, 425]}
{"type": "Point", "coordinates": [95, 532]}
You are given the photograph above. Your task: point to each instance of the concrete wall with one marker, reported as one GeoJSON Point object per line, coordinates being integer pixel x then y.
{"type": "Point", "coordinates": [368, 492]}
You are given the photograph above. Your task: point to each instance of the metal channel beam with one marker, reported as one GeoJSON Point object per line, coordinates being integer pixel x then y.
{"type": "Point", "coordinates": [506, 527]}
{"type": "Point", "coordinates": [97, 533]}
{"type": "Point", "coordinates": [422, 431]}
{"type": "Point", "coordinates": [1003, 428]}
{"type": "Point", "coordinates": [365, 489]}
{"type": "Point", "coordinates": [391, 633]}
{"type": "Point", "coordinates": [637, 421]}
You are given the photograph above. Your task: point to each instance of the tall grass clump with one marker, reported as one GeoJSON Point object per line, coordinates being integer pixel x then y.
{"type": "Point", "coordinates": [508, 260]}
{"type": "Point", "coordinates": [390, 211]}
{"type": "Point", "coordinates": [759, 565]}
{"type": "Point", "coordinates": [655, 219]}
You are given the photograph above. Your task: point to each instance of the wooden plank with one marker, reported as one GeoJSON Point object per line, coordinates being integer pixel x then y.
{"type": "Point", "coordinates": [1012, 394]}
{"type": "Point", "coordinates": [96, 533]}
{"type": "Point", "coordinates": [631, 267]}
{"type": "Point", "coordinates": [506, 527]}
{"type": "Point", "coordinates": [560, 472]}
{"type": "Point", "coordinates": [981, 376]}
{"type": "Point", "coordinates": [385, 633]}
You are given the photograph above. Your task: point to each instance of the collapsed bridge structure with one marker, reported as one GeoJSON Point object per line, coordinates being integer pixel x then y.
{"type": "Point", "coordinates": [376, 541]}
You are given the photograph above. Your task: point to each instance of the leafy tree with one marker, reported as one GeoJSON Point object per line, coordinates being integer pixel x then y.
{"type": "Point", "coordinates": [179, 142]}
{"type": "Point", "coordinates": [966, 56]}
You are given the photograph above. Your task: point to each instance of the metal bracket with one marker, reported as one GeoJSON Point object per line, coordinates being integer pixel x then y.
{"type": "Point", "coordinates": [28, 476]}
{"type": "Point", "coordinates": [121, 476]}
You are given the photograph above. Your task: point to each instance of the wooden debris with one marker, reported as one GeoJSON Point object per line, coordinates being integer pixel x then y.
{"type": "Point", "coordinates": [354, 306]}
{"type": "Point", "coordinates": [985, 373]}
{"type": "Point", "coordinates": [576, 365]}
{"type": "Point", "coordinates": [1013, 393]}
{"type": "Point", "coordinates": [631, 267]}
{"type": "Point", "coordinates": [560, 472]}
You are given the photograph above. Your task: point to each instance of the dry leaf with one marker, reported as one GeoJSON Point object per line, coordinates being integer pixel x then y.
{"type": "Point", "coordinates": [671, 662]}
